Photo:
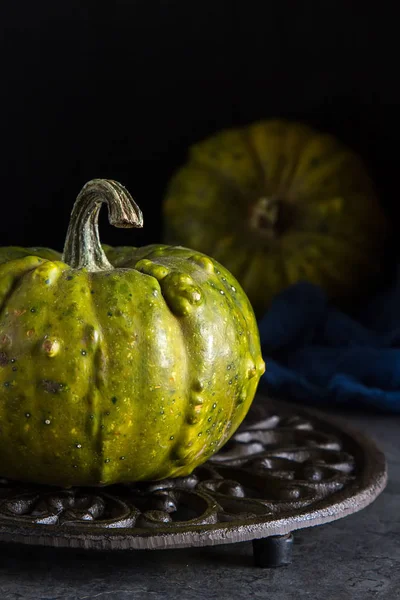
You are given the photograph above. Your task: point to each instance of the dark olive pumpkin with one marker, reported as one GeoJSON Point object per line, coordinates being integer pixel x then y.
{"type": "Point", "coordinates": [278, 202]}
{"type": "Point", "coordinates": [133, 367]}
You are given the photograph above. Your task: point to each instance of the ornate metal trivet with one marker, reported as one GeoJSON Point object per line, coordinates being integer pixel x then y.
{"type": "Point", "coordinates": [286, 468]}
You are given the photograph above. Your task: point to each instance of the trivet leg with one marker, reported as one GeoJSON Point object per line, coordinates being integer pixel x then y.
{"type": "Point", "coordinates": [274, 551]}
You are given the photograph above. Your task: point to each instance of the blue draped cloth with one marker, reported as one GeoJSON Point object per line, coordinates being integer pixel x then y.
{"type": "Point", "coordinates": [316, 354]}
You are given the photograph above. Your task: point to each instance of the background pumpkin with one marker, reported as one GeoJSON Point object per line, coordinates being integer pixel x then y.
{"type": "Point", "coordinates": [277, 202]}
{"type": "Point", "coordinates": [107, 374]}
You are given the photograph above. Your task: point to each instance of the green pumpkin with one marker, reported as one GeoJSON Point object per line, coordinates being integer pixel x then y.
{"type": "Point", "coordinates": [277, 202]}
{"type": "Point", "coordinates": [135, 365]}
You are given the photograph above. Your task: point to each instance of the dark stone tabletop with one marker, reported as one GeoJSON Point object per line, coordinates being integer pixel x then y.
{"type": "Point", "coordinates": [357, 557]}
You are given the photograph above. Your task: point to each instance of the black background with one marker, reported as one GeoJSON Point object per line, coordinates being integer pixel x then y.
{"type": "Point", "coordinates": [120, 90]}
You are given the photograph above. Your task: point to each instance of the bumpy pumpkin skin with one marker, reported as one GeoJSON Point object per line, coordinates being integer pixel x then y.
{"type": "Point", "coordinates": [140, 372]}
{"type": "Point", "coordinates": [277, 202]}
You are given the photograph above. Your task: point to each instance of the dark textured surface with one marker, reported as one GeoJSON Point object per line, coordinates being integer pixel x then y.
{"type": "Point", "coordinates": [357, 557]}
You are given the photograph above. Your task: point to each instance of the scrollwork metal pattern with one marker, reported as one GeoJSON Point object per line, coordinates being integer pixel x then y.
{"type": "Point", "coordinates": [283, 463]}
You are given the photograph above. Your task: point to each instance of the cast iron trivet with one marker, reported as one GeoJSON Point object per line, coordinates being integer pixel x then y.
{"type": "Point", "coordinates": [286, 468]}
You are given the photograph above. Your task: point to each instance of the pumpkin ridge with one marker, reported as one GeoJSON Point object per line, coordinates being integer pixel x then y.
{"type": "Point", "coordinates": [318, 237]}
{"type": "Point", "coordinates": [280, 196]}
{"type": "Point", "coordinates": [241, 270]}
{"type": "Point", "coordinates": [95, 385]}
{"type": "Point", "coordinates": [220, 177]}
{"type": "Point", "coordinates": [248, 140]}
{"type": "Point", "coordinates": [336, 162]}
{"type": "Point", "coordinates": [290, 179]}
{"type": "Point", "coordinates": [16, 280]}
{"type": "Point", "coordinates": [149, 269]}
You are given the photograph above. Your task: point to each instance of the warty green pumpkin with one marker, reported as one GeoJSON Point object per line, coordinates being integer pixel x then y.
{"type": "Point", "coordinates": [277, 202]}
{"type": "Point", "coordinates": [119, 364]}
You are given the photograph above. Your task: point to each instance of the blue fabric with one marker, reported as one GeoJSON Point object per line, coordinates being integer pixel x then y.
{"type": "Point", "coordinates": [316, 354]}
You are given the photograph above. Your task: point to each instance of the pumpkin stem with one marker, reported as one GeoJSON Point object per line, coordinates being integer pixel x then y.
{"type": "Point", "coordinates": [82, 247]}
{"type": "Point", "coordinates": [264, 214]}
